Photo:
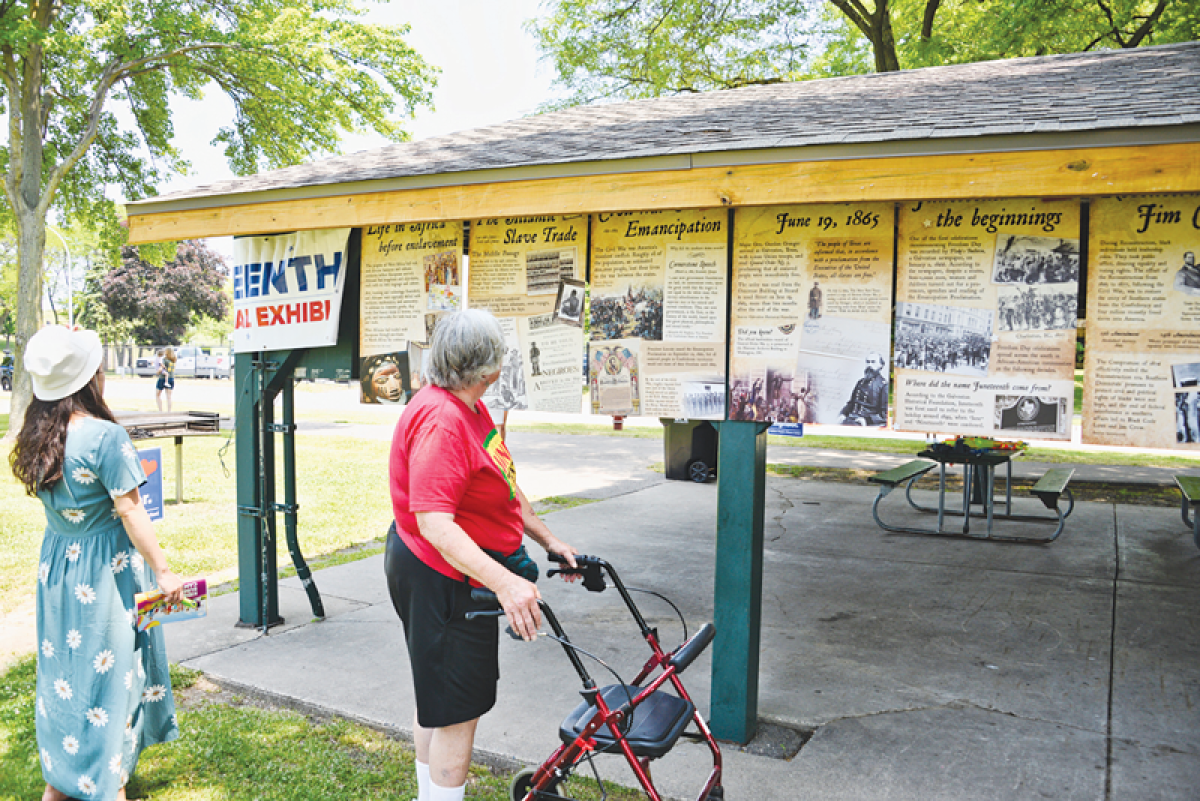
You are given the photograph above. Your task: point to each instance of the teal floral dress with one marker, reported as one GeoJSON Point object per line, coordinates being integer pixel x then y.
{"type": "Point", "coordinates": [103, 688]}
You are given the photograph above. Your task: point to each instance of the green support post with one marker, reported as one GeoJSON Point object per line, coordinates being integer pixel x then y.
{"type": "Point", "coordinates": [741, 499]}
{"type": "Point", "coordinates": [258, 600]}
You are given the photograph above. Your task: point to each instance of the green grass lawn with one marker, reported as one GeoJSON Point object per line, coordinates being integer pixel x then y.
{"type": "Point", "coordinates": [342, 494]}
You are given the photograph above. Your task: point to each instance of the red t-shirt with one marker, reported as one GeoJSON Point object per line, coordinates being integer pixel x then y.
{"type": "Point", "coordinates": [447, 458]}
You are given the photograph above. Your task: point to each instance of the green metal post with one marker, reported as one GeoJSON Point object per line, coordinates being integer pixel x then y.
{"type": "Point", "coordinates": [258, 601]}
{"type": "Point", "coordinates": [741, 499]}
{"type": "Point", "coordinates": [290, 505]}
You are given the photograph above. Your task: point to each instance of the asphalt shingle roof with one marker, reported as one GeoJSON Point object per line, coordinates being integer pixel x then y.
{"type": "Point", "coordinates": [1104, 90]}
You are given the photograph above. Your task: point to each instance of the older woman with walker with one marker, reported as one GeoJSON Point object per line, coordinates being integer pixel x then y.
{"type": "Point", "coordinates": [460, 522]}
{"type": "Point", "coordinates": [103, 687]}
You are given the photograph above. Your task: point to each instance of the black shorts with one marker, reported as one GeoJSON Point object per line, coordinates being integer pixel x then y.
{"type": "Point", "coordinates": [455, 661]}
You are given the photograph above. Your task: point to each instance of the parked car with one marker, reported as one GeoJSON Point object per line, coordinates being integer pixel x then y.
{"type": "Point", "coordinates": [197, 362]}
{"type": "Point", "coordinates": [145, 363]}
{"type": "Point", "coordinates": [191, 361]}
{"type": "Point", "coordinates": [6, 371]}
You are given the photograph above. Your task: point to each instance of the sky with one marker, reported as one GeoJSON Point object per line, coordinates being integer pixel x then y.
{"type": "Point", "coordinates": [490, 74]}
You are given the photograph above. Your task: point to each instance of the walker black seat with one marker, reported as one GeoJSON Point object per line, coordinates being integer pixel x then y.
{"type": "Point", "coordinates": [657, 722]}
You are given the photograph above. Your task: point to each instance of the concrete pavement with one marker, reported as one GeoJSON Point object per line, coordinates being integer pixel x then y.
{"type": "Point", "coordinates": [923, 668]}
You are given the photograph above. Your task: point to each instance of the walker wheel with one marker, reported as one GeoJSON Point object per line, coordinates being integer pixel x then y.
{"type": "Point", "coordinates": [715, 794]}
{"type": "Point", "coordinates": [522, 783]}
{"type": "Point", "coordinates": [519, 788]}
{"type": "Point", "coordinates": [698, 471]}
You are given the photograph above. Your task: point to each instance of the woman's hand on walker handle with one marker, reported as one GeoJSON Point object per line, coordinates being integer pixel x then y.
{"type": "Point", "coordinates": [519, 600]}
{"type": "Point", "coordinates": [567, 553]}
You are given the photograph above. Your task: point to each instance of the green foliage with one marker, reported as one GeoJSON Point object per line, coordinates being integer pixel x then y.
{"type": "Point", "coordinates": [629, 49]}
{"type": "Point", "coordinates": [161, 301]}
{"type": "Point", "coordinates": [605, 49]}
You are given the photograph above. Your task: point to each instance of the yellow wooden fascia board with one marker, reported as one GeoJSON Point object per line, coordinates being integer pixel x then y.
{"type": "Point", "coordinates": [1082, 172]}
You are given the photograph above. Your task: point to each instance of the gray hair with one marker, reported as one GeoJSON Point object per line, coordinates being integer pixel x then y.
{"type": "Point", "coordinates": [467, 345]}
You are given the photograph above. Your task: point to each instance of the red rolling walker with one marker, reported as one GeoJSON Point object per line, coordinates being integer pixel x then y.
{"type": "Point", "coordinates": [641, 719]}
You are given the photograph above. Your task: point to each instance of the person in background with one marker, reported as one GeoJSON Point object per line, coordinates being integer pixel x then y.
{"type": "Point", "coordinates": [103, 687]}
{"type": "Point", "coordinates": [166, 379]}
{"type": "Point", "coordinates": [460, 522]}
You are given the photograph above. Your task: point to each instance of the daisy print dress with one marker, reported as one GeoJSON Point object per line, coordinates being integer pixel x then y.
{"type": "Point", "coordinates": [103, 688]}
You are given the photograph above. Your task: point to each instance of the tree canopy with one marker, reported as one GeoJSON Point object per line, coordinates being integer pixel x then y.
{"type": "Point", "coordinates": [87, 85]}
{"type": "Point", "coordinates": [629, 49]}
{"type": "Point", "coordinates": [163, 300]}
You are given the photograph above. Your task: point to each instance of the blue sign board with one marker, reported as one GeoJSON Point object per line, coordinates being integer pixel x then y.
{"type": "Point", "coordinates": [152, 490]}
{"type": "Point", "coordinates": [787, 429]}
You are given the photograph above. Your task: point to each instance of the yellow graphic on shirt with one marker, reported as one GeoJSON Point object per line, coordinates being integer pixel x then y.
{"type": "Point", "coordinates": [496, 449]}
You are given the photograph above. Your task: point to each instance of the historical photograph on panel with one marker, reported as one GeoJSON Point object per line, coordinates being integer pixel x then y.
{"type": "Point", "coordinates": [769, 395]}
{"type": "Point", "coordinates": [1035, 260]}
{"type": "Point", "coordinates": [635, 312]}
{"type": "Point", "coordinates": [568, 308]}
{"type": "Point", "coordinates": [442, 282]}
{"type": "Point", "coordinates": [704, 399]}
{"type": "Point", "coordinates": [1187, 417]}
{"type": "Point", "coordinates": [509, 390]}
{"type": "Point", "coordinates": [868, 401]}
{"type": "Point", "coordinates": [613, 377]}
{"type": "Point", "coordinates": [1016, 414]}
{"type": "Point", "coordinates": [545, 269]}
{"type": "Point", "coordinates": [943, 339]}
{"type": "Point", "coordinates": [1185, 375]}
{"type": "Point", "coordinates": [1048, 307]}
{"type": "Point", "coordinates": [385, 378]}
{"type": "Point", "coordinates": [1187, 277]}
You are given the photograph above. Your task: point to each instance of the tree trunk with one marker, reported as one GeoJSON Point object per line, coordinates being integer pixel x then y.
{"type": "Point", "coordinates": [31, 243]}
{"type": "Point", "coordinates": [29, 209]}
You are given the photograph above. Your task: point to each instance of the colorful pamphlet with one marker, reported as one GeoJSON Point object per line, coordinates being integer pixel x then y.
{"type": "Point", "coordinates": [153, 609]}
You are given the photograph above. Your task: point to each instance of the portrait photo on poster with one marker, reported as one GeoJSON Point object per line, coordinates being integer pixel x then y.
{"type": "Point", "coordinates": [1035, 260]}
{"type": "Point", "coordinates": [384, 378]}
{"type": "Point", "coordinates": [868, 402]}
{"type": "Point", "coordinates": [568, 307]}
{"type": "Point", "coordinates": [1187, 277]}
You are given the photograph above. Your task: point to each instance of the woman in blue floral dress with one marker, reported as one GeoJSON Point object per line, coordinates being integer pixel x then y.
{"type": "Point", "coordinates": [103, 688]}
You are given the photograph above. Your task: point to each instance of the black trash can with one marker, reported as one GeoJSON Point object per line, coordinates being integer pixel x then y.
{"type": "Point", "coordinates": [690, 450]}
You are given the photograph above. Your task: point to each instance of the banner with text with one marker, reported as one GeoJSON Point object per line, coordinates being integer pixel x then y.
{"type": "Point", "coordinates": [658, 310]}
{"type": "Point", "coordinates": [1142, 358]}
{"type": "Point", "coordinates": [812, 299]}
{"type": "Point", "coordinates": [986, 303]}
{"type": "Point", "coordinates": [287, 289]}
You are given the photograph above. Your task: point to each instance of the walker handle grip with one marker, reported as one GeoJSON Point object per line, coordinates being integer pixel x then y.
{"type": "Point", "coordinates": [687, 653]}
{"type": "Point", "coordinates": [482, 595]}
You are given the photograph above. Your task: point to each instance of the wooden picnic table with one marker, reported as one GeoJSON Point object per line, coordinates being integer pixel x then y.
{"type": "Point", "coordinates": [150, 425]}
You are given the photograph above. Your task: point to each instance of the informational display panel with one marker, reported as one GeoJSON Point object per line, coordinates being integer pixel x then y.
{"type": "Point", "coordinates": [658, 313]}
{"type": "Point", "coordinates": [410, 273]}
{"type": "Point", "coordinates": [1142, 357]}
{"type": "Point", "coordinates": [986, 304]}
{"type": "Point", "coordinates": [529, 272]}
{"type": "Point", "coordinates": [811, 314]}
{"type": "Point", "coordinates": [287, 289]}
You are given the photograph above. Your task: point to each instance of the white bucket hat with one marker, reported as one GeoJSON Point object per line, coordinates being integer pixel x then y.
{"type": "Point", "coordinates": [60, 361]}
